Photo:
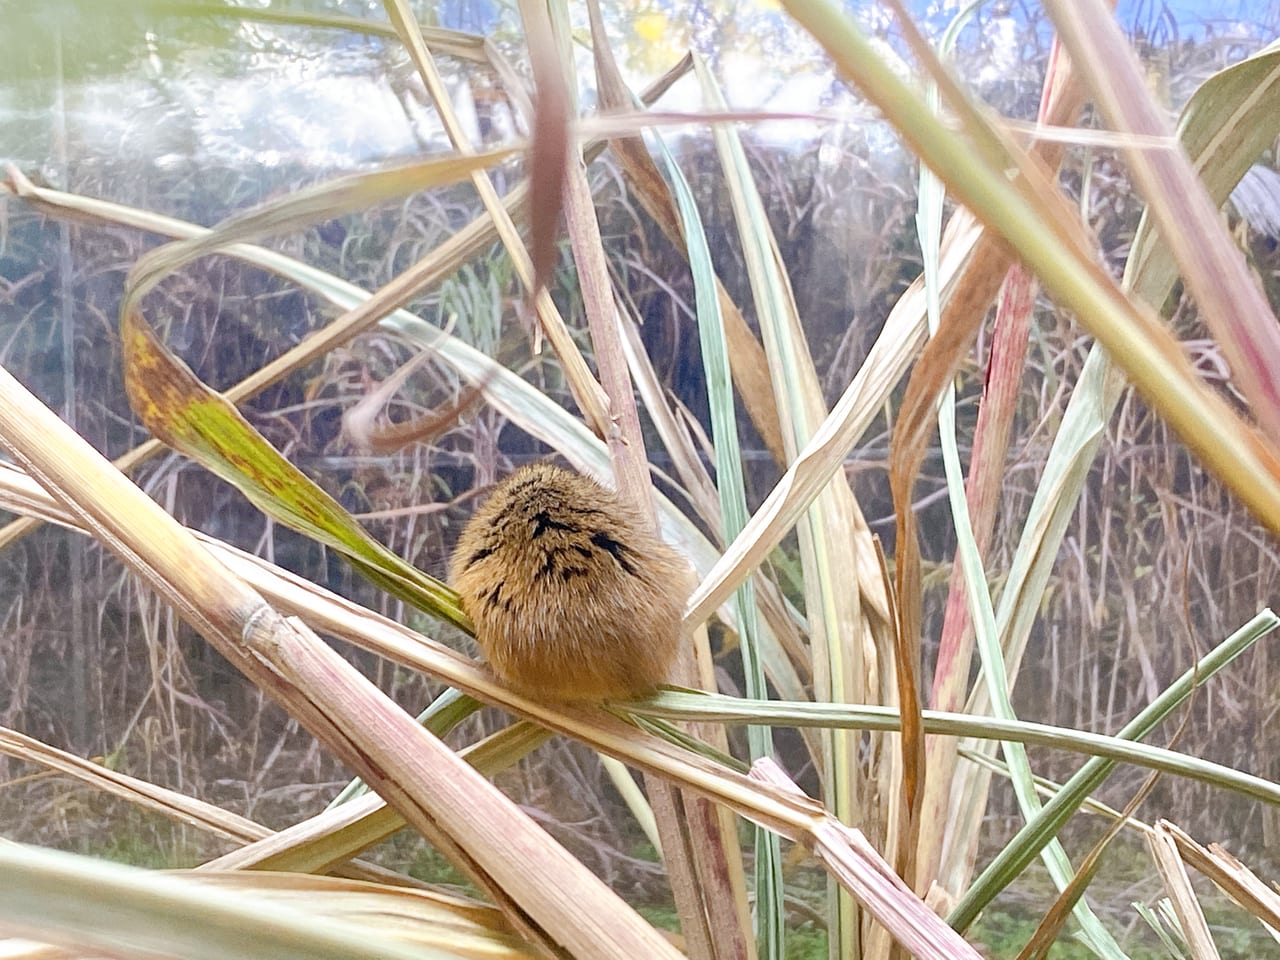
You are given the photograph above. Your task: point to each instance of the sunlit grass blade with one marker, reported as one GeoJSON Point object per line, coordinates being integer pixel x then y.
{"type": "Point", "coordinates": [88, 904]}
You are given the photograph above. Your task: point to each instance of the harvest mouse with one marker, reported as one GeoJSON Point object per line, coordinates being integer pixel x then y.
{"type": "Point", "coordinates": [572, 596]}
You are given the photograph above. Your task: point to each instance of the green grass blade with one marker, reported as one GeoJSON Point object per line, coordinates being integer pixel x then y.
{"type": "Point", "coordinates": [181, 410]}
{"type": "Point", "coordinates": [1123, 747]}
{"type": "Point", "coordinates": [1041, 829]}
{"type": "Point", "coordinates": [769, 909]}
{"type": "Point", "coordinates": [830, 605]}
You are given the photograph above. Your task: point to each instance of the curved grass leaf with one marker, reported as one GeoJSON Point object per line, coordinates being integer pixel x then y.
{"type": "Point", "coordinates": [204, 425]}
{"type": "Point", "coordinates": [200, 422]}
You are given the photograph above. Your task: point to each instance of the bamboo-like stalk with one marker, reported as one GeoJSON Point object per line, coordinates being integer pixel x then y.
{"type": "Point", "coordinates": [440, 795]}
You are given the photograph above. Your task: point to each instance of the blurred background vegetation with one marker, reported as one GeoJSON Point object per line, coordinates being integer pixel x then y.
{"type": "Point", "coordinates": [199, 117]}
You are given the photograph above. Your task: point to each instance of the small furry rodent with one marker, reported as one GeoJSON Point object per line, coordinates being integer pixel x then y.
{"type": "Point", "coordinates": [572, 597]}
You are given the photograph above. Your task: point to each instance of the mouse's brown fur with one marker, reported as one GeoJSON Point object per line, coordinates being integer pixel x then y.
{"type": "Point", "coordinates": [573, 598]}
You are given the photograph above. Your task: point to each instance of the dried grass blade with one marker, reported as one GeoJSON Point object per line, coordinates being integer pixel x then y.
{"type": "Point", "coordinates": [324, 201]}
{"type": "Point", "coordinates": [673, 428]}
{"type": "Point", "coordinates": [465, 928]}
{"type": "Point", "coordinates": [1228, 121]}
{"type": "Point", "coordinates": [550, 145]}
{"type": "Point", "coordinates": [169, 803]}
{"type": "Point", "coordinates": [324, 842]}
{"type": "Point", "coordinates": [455, 43]}
{"type": "Point", "coordinates": [1234, 878]}
{"type": "Point", "coordinates": [1173, 872]}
